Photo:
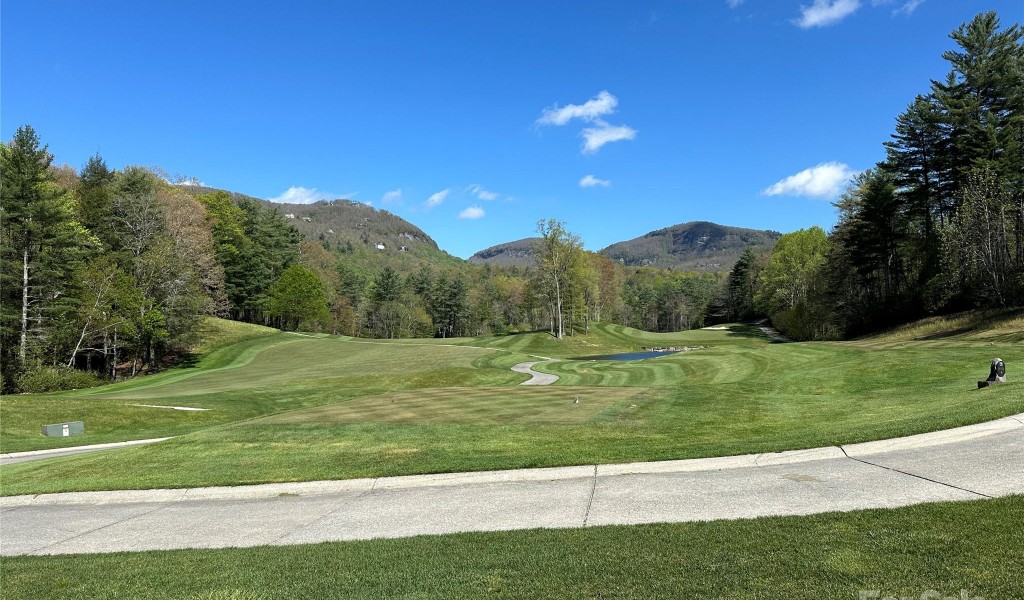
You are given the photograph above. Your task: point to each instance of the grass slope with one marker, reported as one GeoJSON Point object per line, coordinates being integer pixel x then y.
{"type": "Point", "coordinates": [291, 408]}
{"type": "Point", "coordinates": [903, 553]}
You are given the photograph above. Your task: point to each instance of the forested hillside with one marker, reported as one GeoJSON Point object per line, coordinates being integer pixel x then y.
{"type": "Point", "coordinates": [520, 253]}
{"type": "Point", "coordinates": [694, 246]}
{"type": "Point", "coordinates": [936, 226]}
{"type": "Point", "coordinates": [369, 235]}
{"type": "Point", "coordinates": [111, 271]}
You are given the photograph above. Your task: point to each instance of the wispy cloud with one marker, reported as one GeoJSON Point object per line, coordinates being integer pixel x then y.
{"type": "Point", "coordinates": [733, 3]}
{"type": "Point", "coordinates": [472, 213]}
{"type": "Point", "coordinates": [601, 104]}
{"type": "Point", "coordinates": [825, 12]}
{"type": "Point", "coordinates": [591, 181]}
{"type": "Point", "coordinates": [825, 180]}
{"type": "Point", "coordinates": [905, 7]}
{"type": "Point", "coordinates": [303, 195]}
{"type": "Point", "coordinates": [595, 137]}
{"type": "Point", "coordinates": [437, 197]}
{"type": "Point", "coordinates": [481, 193]}
{"type": "Point", "coordinates": [392, 197]}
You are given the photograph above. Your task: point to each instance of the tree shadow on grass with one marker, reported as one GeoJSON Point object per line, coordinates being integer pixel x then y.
{"type": "Point", "coordinates": [747, 330]}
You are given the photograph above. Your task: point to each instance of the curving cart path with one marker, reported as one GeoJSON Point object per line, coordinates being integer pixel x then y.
{"type": "Point", "coordinates": [967, 463]}
{"type": "Point", "coordinates": [536, 377]}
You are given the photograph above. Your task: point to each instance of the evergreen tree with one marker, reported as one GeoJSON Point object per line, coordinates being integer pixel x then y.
{"type": "Point", "coordinates": [94, 199]}
{"type": "Point", "coordinates": [740, 291]}
{"type": "Point", "coordinates": [449, 305]}
{"type": "Point", "coordinates": [917, 156]}
{"type": "Point", "coordinates": [41, 244]}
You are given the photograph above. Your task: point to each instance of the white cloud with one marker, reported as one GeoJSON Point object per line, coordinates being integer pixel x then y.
{"type": "Point", "coordinates": [908, 7]}
{"type": "Point", "coordinates": [825, 12]}
{"type": "Point", "coordinates": [482, 194]}
{"type": "Point", "coordinates": [472, 212]}
{"type": "Point", "coordinates": [591, 181]}
{"type": "Point", "coordinates": [602, 104]}
{"type": "Point", "coordinates": [392, 197]}
{"type": "Point", "coordinates": [825, 180]}
{"type": "Point", "coordinates": [301, 195]}
{"type": "Point", "coordinates": [733, 3]}
{"type": "Point", "coordinates": [601, 132]}
{"type": "Point", "coordinates": [595, 137]}
{"type": "Point", "coordinates": [438, 197]}
{"type": "Point", "coordinates": [191, 182]}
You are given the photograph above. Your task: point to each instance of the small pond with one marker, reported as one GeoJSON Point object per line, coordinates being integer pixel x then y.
{"type": "Point", "coordinates": [628, 355]}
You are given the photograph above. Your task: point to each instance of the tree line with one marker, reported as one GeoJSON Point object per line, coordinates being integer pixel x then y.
{"type": "Point", "coordinates": [110, 272]}
{"type": "Point", "coordinates": [937, 226]}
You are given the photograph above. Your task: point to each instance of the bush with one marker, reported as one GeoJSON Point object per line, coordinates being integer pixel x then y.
{"type": "Point", "coordinates": [56, 379]}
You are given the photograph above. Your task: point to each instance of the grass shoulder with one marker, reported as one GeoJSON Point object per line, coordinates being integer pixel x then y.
{"type": "Point", "coordinates": [902, 552]}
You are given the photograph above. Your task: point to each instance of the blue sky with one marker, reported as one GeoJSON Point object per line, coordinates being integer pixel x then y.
{"type": "Point", "coordinates": [475, 119]}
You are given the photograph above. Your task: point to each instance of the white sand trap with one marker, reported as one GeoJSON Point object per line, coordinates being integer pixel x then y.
{"type": "Point", "coordinates": [170, 407]}
{"type": "Point", "coordinates": [716, 328]}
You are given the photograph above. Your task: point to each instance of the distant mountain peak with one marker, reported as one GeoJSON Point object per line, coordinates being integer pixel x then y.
{"type": "Point", "coordinates": [510, 254]}
{"type": "Point", "coordinates": [692, 246]}
{"type": "Point", "coordinates": [695, 245]}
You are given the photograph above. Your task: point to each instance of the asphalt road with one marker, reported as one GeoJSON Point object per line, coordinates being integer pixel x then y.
{"type": "Point", "coordinates": [975, 462]}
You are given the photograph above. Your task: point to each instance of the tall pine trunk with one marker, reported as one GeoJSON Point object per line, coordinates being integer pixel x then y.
{"type": "Point", "coordinates": [23, 347]}
{"type": "Point", "coordinates": [558, 306]}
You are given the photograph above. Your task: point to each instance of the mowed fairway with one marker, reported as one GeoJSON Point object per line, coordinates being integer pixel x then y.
{"type": "Point", "coordinates": [537, 405]}
{"type": "Point", "coordinates": [293, 408]}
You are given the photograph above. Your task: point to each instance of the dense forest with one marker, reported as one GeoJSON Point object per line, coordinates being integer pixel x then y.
{"type": "Point", "coordinates": [107, 274]}
{"type": "Point", "coordinates": [937, 226]}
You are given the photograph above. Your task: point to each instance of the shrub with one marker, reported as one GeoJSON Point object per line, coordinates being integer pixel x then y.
{"type": "Point", "coordinates": [56, 379]}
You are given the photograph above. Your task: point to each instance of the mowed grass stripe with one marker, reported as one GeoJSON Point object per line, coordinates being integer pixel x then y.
{"type": "Point", "coordinates": [298, 360]}
{"type": "Point", "coordinates": [254, 378]}
{"type": "Point", "coordinates": [741, 394]}
{"type": "Point", "coordinates": [550, 405]}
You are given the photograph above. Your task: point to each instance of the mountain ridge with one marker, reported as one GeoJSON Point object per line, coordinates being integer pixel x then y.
{"type": "Point", "coordinates": [694, 246]}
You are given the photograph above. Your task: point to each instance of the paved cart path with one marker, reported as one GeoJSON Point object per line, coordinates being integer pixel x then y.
{"type": "Point", "coordinates": [536, 377]}
{"type": "Point", "coordinates": [16, 457]}
{"type": "Point", "coordinates": [967, 463]}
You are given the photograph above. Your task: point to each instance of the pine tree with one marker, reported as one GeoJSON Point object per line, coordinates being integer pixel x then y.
{"type": "Point", "coordinates": [41, 246]}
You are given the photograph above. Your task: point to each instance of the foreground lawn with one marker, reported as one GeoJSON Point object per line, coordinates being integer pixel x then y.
{"type": "Point", "coordinates": [943, 548]}
{"type": "Point", "coordinates": [293, 408]}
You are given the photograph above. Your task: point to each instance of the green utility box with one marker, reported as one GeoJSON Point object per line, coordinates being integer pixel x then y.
{"type": "Point", "coordinates": [64, 429]}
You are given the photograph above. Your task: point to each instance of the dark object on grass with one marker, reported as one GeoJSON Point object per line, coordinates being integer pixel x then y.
{"type": "Point", "coordinates": [996, 374]}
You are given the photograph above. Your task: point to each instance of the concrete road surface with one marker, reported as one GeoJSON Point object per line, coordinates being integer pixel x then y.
{"type": "Point", "coordinates": [979, 461]}
{"type": "Point", "coordinates": [17, 457]}
{"type": "Point", "coordinates": [536, 377]}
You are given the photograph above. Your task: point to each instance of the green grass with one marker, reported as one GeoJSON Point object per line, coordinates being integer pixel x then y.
{"type": "Point", "coordinates": [981, 326]}
{"type": "Point", "coordinates": [292, 408]}
{"type": "Point", "coordinates": [217, 333]}
{"type": "Point", "coordinates": [904, 552]}
{"type": "Point", "coordinates": [519, 405]}
{"type": "Point", "coordinates": [258, 376]}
